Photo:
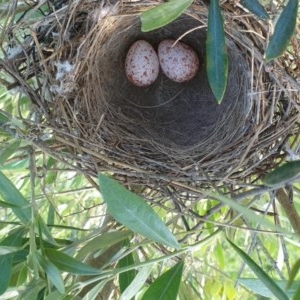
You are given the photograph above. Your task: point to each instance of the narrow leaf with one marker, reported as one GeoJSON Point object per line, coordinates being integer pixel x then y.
{"type": "Point", "coordinates": [3, 118]}
{"type": "Point", "coordinates": [256, 8]}
{"type": "Point", "coordinates": [296, 295]}
{"type": "Point", "coordinates": [261, 274]}
{"type": "Point", "coordinates": [7, 205]}
{"type": "Point", "coordinates": [56, 295]}
{"type": "Point", "coordinates": [284, 174]}
{"type": "Point", "coordinates": [6, 270]}
{"type": "Point", "coordinates": [12, 195]}
{"type": "Point", "coordinates": [247, 213]}
{"type": "Point", "coordinates": [137, 283]}
{"type": "Point", "coordinates": [94, 293]}
{"type": "Point", "coordinates": [166, 286]}
{"type": "Point", "coordinates": [125, 278]}
{"type": "Point", "coordinates": [45, 231]}
{"type": "Point", "coordinates": [163, 14]}
{"type": "Point", "coordinates": [257, 287]}
{"type": "Point", "coordinates": [216, 54]}
{"type": "Point", "coordinates": [8, 250]}
{"type": "Point", "coordinates": [9, 151]}
{"type": "Point", "coordinates": [293, 273]}
{"type": "Point", "coordinates": [131, 210]}
{"type": "Point", "coordinates": [284, 30]}
{"type": "Point", "coordinates": [52, 272]}
{"type": "Point", "coordinates": [67, 263]}
{"type": "Point", "coordinates": [105, 240]}
{"type": "Point", "coordinates": [6, 261]}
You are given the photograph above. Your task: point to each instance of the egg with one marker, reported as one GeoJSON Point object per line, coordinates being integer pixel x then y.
{"type": "Point", "coordinates": [141, 64]}
{"type": "Point", "coordinates": [179, 62]}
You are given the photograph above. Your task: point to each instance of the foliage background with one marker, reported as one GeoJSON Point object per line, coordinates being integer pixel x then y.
{"type": "Point", "coordinates": [65, 212]}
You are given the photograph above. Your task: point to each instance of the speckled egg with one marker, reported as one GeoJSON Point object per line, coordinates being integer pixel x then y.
{"type": "Point", "coordinates": [179, 62]}
{"type": "Point", "coordinates": [141, 64]}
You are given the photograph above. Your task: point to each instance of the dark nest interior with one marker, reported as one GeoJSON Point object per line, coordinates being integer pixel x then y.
{"type": "Point", "coordinates": [70, 63]}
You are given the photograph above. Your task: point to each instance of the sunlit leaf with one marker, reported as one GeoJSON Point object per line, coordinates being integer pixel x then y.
{"type": "Point", "coordinates": [22, 275]}
{"type": "Point", "coordinates": [246, 212]}
{"type": "Point", "coordinates": [137, 283]}
{"type": "Point", "coordinates": [256, 8]}
{"type": "Point", "coordinates": [8, 250]}
{"type": "Point", "coordinates": [67, 263]}
{"type": "Point", "coordinates": [284, 30]}
{"type": "Point", "coordinates": [12, 195]}
{"type": "Point", "coordinates": [34, 290]}
{"type": "Point", "coordinates": [163, 14]}
{"type": "Point", "coordinates": [220, 255]}
{"type": "Point", "coordinates": [15, 165]}
{"type": "Point", "coordinates": [52, 272]}
{"type": "Point", "coordinates": [256, 286]}
{"type": "Point", "coordinates": [261, 274]}
{"type": "Point", "coordinates": [293, 273]}
{"type": "Point", "coordinates": [131, 210]}
{"type": "Point", "coordinates": [216, 54]}
{"type": "Point", "coordinates": [284, 174]}
{"type": "Point", "coordinates": [166, 286]}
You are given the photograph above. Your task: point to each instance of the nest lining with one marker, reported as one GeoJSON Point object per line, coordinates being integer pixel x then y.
{"type": "Point", "coordinates": [168, 131]}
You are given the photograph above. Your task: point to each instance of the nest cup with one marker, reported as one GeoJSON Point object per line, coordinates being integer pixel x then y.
{"type": "Point", "coordinates": [147, 128]}
{"type": "Point", "coordinates": [170, 116]}
{"type": "Point", "coordinates": [167, 132]}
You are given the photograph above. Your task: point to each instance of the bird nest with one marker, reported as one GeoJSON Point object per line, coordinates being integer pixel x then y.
{"type": "Point", "coordinates": [70, 63]}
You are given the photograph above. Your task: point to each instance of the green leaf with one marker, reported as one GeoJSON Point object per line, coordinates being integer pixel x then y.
{"type": "Point", "coordinates": [256, 286]}
{"type": "Point", "coordinates": [3, 118]}
{"type": "Point", "coordinates": [284, 30]}
{"type": "Point", "coordinates": [284, 174]}
{"type": "Point", "coordinates": [125, 278]}
{"type": "Point", "coordinates": [293, 273]}
{"type": "Point", "coordinates": [216, 54]}
{"type": "Point", "coordinates": [8, 250]}
{"type": "Point", "coordinates": [256, 8]}
{"type": "Point", "coordinates": [296, 295]}
{"type": "Point", "coordinates": [220, 255]}
{"type": "Point", "coordinates": [131, 210]}
{"type": "Point", "coordinates": [105, 240]}
{"type": "Point", "coordinates": [163, 14]}
{"type": "Point", "coordinates": [6, 270]}
{"type": "Point", "coordinates": [165, 286]}
{"type": "Point", "coordinates": [94, 293]}
{"type": "Point", "coordinates": [45, 231]}
{"type": "Point", "coordinates": [7, 205]}
{"type": "Point", "coordinates": [8, 151]}
{"type": "Point", "coordinates": [52, 272]}
{"type": "Point", "coordinates": [261, 274]}
{"type": "Point", "coordinates": [56, 295]}
{"type": "Point", "coordinates": [14, 240]}
{"type": "Point", "coordinates": [246, 212]}
{"type": "Point", "coordinates": [137, 283]}
{"type": "Point", "coordinates": [67, 263]}
{"type": "Point", "coordinates": [11, 195]}
{"type": "Point", "coordinates": [15, 165]}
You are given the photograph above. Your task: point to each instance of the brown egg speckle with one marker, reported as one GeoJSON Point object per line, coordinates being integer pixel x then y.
{"type": "Point", "coordinates": [179, 62]}
{"type": "Point", "coordinates": [141, 64]}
